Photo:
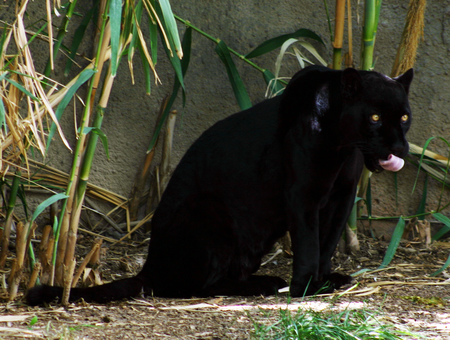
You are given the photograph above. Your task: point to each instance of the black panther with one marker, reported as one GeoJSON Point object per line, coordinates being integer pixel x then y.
{"type": "Point", "coordinates": [291, 163]}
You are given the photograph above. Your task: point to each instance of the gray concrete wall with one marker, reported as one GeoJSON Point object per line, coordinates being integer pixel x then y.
{"type": "Point", "coordinates": [243, 24]}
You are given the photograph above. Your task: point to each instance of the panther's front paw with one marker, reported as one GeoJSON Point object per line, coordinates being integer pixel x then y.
{"type": "Point", "coordinates": [338, 280]}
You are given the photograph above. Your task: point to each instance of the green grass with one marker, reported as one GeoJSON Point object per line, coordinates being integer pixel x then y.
{"type": "Point", "coordinates": [346, 325]}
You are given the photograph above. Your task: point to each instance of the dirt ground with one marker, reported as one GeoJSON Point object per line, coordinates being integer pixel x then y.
{"type": "Point", "coordinates": [404, 292]}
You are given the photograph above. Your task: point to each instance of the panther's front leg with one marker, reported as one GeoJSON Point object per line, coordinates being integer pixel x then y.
{"type": "Point", "coordinates": [334, 216]}
{"type": "Point", "coordinates": [303, 221]}
{"type": "Point", "coordinates": [306, 249]}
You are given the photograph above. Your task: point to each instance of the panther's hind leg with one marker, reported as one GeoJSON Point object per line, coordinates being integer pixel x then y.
{"type": "Point", "coordinates": [192, 252]}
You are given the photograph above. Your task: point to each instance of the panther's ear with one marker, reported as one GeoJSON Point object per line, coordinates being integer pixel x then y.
{"type": "Point", "coordinates": [405, 79]}
{"type": "Point", "coordinates": [351, 83]}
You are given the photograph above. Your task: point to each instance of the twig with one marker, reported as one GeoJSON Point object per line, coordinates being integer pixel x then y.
{"type": "Point", "coordinates": [108, 219]}
{"type": "Point", "coordinates": [140, 224]}
{"type": "Point", "coordinates": [393, 283]}
{"type": "Point", "coordinates": [278, 252]}
{"type": "Point", "coordinates": [106, 238]}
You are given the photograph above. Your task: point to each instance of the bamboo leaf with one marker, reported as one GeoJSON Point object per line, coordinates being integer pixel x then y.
{"type": "Point", "coordinates": [445, 229]}
{"type": "Point", "coordinates": [444, 267]}
{"type": "Point", "coordinates": [395, 241]}
{"type": "Point", "coordinates": [21, 88]}
{"type": "Point", "coordinates": [174, 59]}
{"type": "Point", "coordinates": [4, 37]}
{"type": "Point", "coordinates": [136, 19]}
{"type": "Point", "coordinates": [233, 75]}
{"type": "Point", "coordinates": [2, 114]}
{"type": "Point", "coordinates": [359, 272]}
{"type": "Point", "coordinates": [78, 37]}
{"type": "Point", "coordinates": [48, 202]}
{"type": "Point", "coordinates": [442, 218]}
{"type": "Point", "coordinates": [145, 54]}
{"type": "Point", "coordinates": [171, 26]}
{"type": "Point", "coordinates": [153, 33]}
{"type": "Point", "coordinates": [176, 64]}
{"type": "Point", "coordinates": [300, 58]}
{"type": "Point", "coordinates": [187, 47]}
{"type": "Point", "coordinates": [310, 48]}
{"type": "Point", "coordinates": [127, 24]}
{"type": "Point", "coordinates": [275, 86]}
{"type": "Point", "coordinates": [274, 43]}
{"type": "Point", "coordinates": [147, 70]}
{"type": "Point", "coordinates": [115, 16]}
{"type": "Point", "coordinates": [421, 159]}
{"type": "Point", "coordinates": [101, 135]}
{"type": "Point", "coordinates": [84, 76]}
{"type": "Point", "coordinates": [280, 56]}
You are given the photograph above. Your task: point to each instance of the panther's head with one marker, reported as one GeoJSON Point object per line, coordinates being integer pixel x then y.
{"type": "Point", "coordinates": [376, 116]}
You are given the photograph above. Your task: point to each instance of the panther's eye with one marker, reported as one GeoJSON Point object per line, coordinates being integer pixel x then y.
{"type": "Point", "coordinates": [374, 118]}
{"type": "Point", "coordinates": [405, 118]}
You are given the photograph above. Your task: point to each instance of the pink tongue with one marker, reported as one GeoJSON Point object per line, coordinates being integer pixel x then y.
{"type": "Point", "coordinates": [393, 163]}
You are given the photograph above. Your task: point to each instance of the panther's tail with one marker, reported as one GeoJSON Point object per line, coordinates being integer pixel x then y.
{"type": "Point", "coordinates": [116, 290]}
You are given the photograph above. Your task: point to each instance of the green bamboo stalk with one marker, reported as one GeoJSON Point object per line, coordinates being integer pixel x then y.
{"type": "Point", "coordinates": [330, 29]}
{"type": "Point", "coordinates": [60, 37]}
{"type": "Point", "coordinates": [83, 179]}
{"type": "Point", "coordinates": [371, 17]}
{"type": "Point", "coordinates": [66, 210]}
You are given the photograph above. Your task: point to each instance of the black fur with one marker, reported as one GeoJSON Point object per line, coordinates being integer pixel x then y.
{"type": "Point", "coordinates": [289, 163]}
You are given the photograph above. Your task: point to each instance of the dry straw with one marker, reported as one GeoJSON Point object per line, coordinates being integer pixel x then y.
{"type": "Point", "coordinates": [413, 31]}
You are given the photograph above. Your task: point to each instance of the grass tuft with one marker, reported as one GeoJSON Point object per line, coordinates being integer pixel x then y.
{"type": "Point", "coordinates": [346, 325]}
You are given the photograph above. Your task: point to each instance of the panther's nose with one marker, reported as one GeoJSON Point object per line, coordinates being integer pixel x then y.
{"type": "Point", "coordinates": [400, 149]}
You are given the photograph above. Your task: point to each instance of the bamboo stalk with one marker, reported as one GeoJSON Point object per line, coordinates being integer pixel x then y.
{"type": "Point", "coordinates": [50, 33]}
{"type": "Point", "coordinates": [84, 166]}
{"type": "Point", "coordinates": [338, 34]}
{"type": "Point", "coordinates": [34, 275]}
{"type": "Point", "coordinates": [67, 209]}
{"type": "Point", "coordinates": [9, 219]}
{"type": "Point", "coordinates": [44, 242]}
{"type": "Point", "coordinates": [143, 175]}
{"type": "Point", "coordinates": [85, 170]}
{"type": "Point", "coordinates": [371, 16]}
{"type": "Point", "coordinates": [167, 149]}
{"type": "Point", "coordinates": [21, 246]}
{"type": "Point", "coordinates": [12, 274]}
{"type": "Point", "coordinates": [45, 253]}
{"type": "Point", "coordinates": [68, 276]}
{"type": "Point", "coordinates": [63, 29]}
{"type": "Point", "coordinates": [349, 59]}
